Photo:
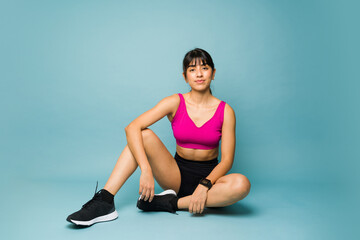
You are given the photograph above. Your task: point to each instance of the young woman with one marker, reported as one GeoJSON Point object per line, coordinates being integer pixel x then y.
{"type": "Point", "coordinates": [193, 178]}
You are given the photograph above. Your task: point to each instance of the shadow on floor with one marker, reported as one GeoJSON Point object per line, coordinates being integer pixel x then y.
{"type": "Point", "coordinates": [73, 226]}
{"type": "Point", "coordinates": [236, 209]}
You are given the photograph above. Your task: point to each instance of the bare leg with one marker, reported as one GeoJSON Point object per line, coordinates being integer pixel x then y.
{"type": "Point", "coordinates": [163, 165]}
{"type": "Point", "coordinates": [226, 191]}
{"type": "Point", "coordinates": [124, 168]}
{"type": "Point", "coordinates": [164, 169]}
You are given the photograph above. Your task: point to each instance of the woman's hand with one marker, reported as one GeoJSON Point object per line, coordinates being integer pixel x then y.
{"type": "Point", "coordinates": [146, 189]}
{"type": "Point", "coordinates": [198, 199]}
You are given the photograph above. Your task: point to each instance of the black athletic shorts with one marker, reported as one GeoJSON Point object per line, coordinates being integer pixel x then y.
{"type": "Point", "coordinates": [192, 172]}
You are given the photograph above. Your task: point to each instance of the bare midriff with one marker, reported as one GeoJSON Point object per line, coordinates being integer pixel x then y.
{"type": "Point", "coordinates": [197, 154]}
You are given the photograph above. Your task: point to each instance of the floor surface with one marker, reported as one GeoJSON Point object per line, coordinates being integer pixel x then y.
{"type": "Point", "coordinates": [37, 209]}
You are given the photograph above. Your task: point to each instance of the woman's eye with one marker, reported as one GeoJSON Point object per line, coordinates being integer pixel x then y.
{"type": "Point", "coordinates": [191, 70]}
{"type": "Point", "coordinates": [206, 68]}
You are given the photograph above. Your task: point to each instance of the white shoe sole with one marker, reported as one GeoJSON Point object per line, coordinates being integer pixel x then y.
{"type": "Point", "coordinates": [169, 191]}
{"type": "Point", "coordinates": [108, 217]}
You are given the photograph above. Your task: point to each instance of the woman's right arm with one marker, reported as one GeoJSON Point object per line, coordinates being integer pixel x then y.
{"type": "Point", "coordinates": [135, 142]}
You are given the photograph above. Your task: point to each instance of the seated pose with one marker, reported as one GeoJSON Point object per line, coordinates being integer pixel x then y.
{"type": "Point", "coordinates": [193, 178]}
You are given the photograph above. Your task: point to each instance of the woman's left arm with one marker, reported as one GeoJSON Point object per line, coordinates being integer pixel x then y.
{"type": "Point", "coordinates": [198, 198]}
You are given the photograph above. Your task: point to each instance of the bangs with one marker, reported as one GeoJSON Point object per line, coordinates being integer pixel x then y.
{"type": "Point", "coordinates": [197, 57]}
{"type": "Point", "coordinates": [197, 61]}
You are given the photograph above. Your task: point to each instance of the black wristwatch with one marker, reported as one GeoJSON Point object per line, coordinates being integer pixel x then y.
{"type": "Point", "coordinates": [206, 182]}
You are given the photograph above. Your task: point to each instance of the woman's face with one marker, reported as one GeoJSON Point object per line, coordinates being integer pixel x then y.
{"type": "Point", "coordinates": [199, 75]}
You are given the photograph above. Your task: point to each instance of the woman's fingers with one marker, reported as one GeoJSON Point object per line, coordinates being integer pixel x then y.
{"type": "Point", "coordinates": [147, 193]}
{"type": "Point", "coordinates": [146, 186]}
{"type": "Point", "coordinates": [198, 208]}
{"type": "Point", "coordinates": [151, 195]}
{"type": "Point", "coordinates": [140, 192]}
{"type": "Point", "coordinates": [202, 208]}
{"type": "Point", "coordinates": [194, 207]}
{"type": "Point", "coordinates": [190, 206]}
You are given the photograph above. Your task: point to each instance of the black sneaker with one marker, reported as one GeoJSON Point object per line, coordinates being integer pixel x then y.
{"type": "Point", "coordinates": [94, 211]}
{"type": "Point", "coordinates": [160, 202]}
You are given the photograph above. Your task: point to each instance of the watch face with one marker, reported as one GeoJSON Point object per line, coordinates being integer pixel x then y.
{"type": "Point", "coordinates": [206, 182]}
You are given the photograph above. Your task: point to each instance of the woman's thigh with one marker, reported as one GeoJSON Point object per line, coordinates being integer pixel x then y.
{"type": "Point", "coordinates": [163, 164]}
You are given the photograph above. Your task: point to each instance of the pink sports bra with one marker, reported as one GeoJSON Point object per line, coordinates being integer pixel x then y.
{"type": "Point", "coordinates": [188, 135]}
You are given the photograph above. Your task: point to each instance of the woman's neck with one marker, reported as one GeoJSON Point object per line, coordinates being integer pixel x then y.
{"type": "Point", "coordinates": [199, 98]}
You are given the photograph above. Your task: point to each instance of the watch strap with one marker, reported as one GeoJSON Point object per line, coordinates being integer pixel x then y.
{"type": "Point", "coordinates": [206, 182]}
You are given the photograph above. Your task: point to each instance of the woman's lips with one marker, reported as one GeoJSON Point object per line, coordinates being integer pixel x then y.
{"type": "Point", "coordinates": [200, 81]}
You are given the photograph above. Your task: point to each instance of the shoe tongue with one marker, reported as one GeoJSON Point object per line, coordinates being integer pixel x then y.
{"type": "Point", "coordinates": [98, 195]}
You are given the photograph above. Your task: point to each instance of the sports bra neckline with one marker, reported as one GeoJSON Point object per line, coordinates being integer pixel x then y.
{"type": "Point", "coordinates": [187, 114]}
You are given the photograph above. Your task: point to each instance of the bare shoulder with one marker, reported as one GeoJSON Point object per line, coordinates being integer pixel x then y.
{"type": "Point", "coordinates": [173, 102]}
{"type": "Point", "coordinates": [173, 99]}
{"type": "Point", "coordinates": [216, 101]}
{"type": "Point", "coordinates": [170, 103]}
{"type": "Point", "coordinates": [229, 113]}
{"type": "Point", "coordinates": [228, 108]}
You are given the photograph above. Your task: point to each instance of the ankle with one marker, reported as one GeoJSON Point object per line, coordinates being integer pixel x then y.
{"type": "Point", "coordinates": [106, 196]}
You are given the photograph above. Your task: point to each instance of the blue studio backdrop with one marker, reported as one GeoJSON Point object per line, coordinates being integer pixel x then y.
{"type": "Point", "coordinates": [74, 74]}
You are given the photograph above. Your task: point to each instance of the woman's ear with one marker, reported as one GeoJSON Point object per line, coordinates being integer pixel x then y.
{"type": "Point", "coordinates": [184, 77]}
{"type": "Point", "coordinates": [213, 74]}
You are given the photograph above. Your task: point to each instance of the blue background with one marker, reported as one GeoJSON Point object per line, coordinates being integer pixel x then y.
{"type": "Point", "coordinates": [75, 73]}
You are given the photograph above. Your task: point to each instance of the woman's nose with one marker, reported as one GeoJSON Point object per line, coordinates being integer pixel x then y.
{"type": "Point", "coordinates": [198, 73]}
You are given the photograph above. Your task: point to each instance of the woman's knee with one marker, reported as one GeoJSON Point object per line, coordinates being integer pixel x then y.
{"type": "Point", "coordinates": [240, 186]}
{"type": "Point", "coordinates": [150, 139]}
{"type": "Point", "coordinates": [147, 134]}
